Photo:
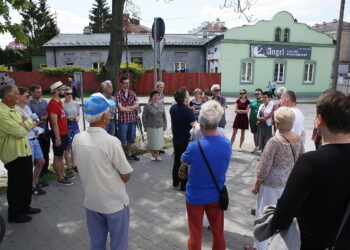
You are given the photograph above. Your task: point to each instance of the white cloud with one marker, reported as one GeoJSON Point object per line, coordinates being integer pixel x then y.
{"type": "Point", "coordinates": [69, 22]}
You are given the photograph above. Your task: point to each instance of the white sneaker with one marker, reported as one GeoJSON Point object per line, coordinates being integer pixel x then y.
{"type": "Point", "coordinates": [240, 150]}
{"type": "Point", "coordinates": [158, 159]}
{"type": "Point", "coordinates": [153, 159]}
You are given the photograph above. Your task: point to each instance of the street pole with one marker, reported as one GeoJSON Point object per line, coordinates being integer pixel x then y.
{"type": "Point", "coordinates": [126, 52]}
{"type": "Point", "coordinates": [337, 48]}
{"type": "Point", "coordinates": [160, 69]}
{"type": "Point", "coordinates": [155, 78]}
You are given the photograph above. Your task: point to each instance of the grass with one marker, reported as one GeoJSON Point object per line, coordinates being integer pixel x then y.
{"type": "Point", "coordinates": [137, 151]}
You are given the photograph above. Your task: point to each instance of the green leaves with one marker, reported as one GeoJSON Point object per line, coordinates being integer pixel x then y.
{"type": "Point", "coordinates": [62, 71]}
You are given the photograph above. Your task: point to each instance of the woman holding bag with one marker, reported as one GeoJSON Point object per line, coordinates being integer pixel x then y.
{"type": "Point", "coordinates": [275, 165]}
{"type": "Point", "coordinates": [201, 191]}
{"type": "Point", "coordinates": [154, 122]}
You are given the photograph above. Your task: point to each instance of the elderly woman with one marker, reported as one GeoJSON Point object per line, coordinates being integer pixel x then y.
{"type": "Point", "coordinates": [154, 122]}
{"type": "Point", "coordinates": [197, 102]}
{"type": "Point", "coordinates": [160, 89]}
{"type": "Point", "coordinates": [182, 120]}
{"type": "Point", "coordinates": [201, 193]}
{"type": "Point", "coordinates": [72, 111]}
{"type": "Point", "coordinates": [265, 120]}
{"type": "Point", "coordinates": [276, 163]}
{"type": "Point", "coordinates": [318, 189]}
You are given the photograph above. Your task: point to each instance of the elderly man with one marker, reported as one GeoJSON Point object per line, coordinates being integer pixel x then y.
{"type": "Point", "coordinates": [15, 153]}
{"type": "Point", "coordinates": [127, 107]}
{"type": "Point", "coordinates": [201, 192]}
{"type": "Point", "coordinates": [107, 90]}
{"type": "Point", "coordinates": [104, 171]}
{"type": "Point", "coordinates": [58, 123]}
{"type": "Point", "coordinates": [215, 91]}
{"type": "Point", "coordinates": [289, 100]}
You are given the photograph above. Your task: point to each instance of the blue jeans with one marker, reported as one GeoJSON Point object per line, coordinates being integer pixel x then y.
{"type": "Point", "coordinates": [116, 224]}
{"type": "Point", "coordinates": [127, 132]}
{"type": "Point", "coordinates": [110, 128]}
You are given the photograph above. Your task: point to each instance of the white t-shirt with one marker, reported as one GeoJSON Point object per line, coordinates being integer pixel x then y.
{"type": "Point", "coordinates": [27, 112]}
{"type": "Point", "coordinates": [100, 160]}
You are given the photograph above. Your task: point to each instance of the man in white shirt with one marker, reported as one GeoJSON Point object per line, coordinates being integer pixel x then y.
{"type": "Point", "coordinates": [104, 170]}
{"type": "Point", "coordinates": [289, 100]}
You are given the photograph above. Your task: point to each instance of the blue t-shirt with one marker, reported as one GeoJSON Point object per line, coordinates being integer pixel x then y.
{"type": "Point", "coordinates": [181, 119]}
{"type": "Point", "coordinates": [200, 189]}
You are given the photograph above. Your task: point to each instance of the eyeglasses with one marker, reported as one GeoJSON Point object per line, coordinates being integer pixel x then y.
{"type": "Point", "coordinates": [242, 93]}
{"type": "Point", "coordinates": [257, 94]}
{"type": "Point", "coordinates": [216, 89]}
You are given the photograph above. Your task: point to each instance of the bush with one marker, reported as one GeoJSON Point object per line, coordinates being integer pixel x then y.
{"type": "Point", "coordinates": [3, 68]}
{"type": "Point", "coordinates": [61, 71]}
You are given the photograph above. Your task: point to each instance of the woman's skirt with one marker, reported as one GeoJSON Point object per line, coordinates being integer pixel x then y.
{"type": "Point", "coordinates": [266, 196]}
{"type": "Point", "coordinates": [264, 133]}
{"type": "Point", "coordinates": [155, 138]}
{"type": "Point", "coordinates": [73, 129]}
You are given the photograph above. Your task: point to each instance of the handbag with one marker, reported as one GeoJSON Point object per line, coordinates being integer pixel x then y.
{"type": "Point", "coordinates": [223, 194]}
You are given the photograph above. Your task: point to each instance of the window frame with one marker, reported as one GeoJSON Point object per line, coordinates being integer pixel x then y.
{"type": "Point", "coordinates": [279, 34]}
{"type": "Point", "coordinates": [181, 63]}
{"type": "Point", "coordinates": [284, 62]}
{"type": "Point", "coordinates": [306, 62]}
{"type": "Point", "coordinates": [251, 81]}
{"type": "Point", "coordinates": [284, 35]}
{"type": "Point", "coordinates": [71, 64]}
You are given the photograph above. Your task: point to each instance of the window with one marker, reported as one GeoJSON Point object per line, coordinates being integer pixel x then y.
{"type": "Point", "coordinates": [216, 69]}
{"type": "Point", "coordinates": [210, 50]}
{"type": "Point", "coordinates": [138, 60]}
{"type": "Point", "coordinates": [278, 34]}
{"type": "Point", "coordinates": [309, 73]}
{"type": "Point", "coordinates": [43, 66]}
{"type": "Point", "coordinates": [279, 72]}
{"type": "Point", "coordinates": [180, 67]}
{"type": "Point", "coordinates": [69, 64]}
{"type": "Point", "coordinates": [247, 72]}
{"type": "Point", "coordinates": [286, 35]}
{"type": "Point", "coordinates": [97, 65]}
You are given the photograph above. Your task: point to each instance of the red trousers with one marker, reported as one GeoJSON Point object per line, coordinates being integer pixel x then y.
{"type": "Point", "coordinates": [195, 223]}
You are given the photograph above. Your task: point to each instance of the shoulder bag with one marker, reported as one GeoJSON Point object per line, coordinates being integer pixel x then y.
{"type": "Point", "coordinates": [224, 200]}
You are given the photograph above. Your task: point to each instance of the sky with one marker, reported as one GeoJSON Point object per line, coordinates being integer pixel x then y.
{"type": "Point", "coordinates": [180, 16]}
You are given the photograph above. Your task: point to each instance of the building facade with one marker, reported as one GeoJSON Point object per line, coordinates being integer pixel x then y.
{"type": "Point", "coordinates": [181, 53]}
{"type": "Point", "coordinates": [296, 56]}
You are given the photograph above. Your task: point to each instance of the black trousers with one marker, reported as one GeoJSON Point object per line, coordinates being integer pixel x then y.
{"type": "Point", "coordinates": [44, 141]}
{"type": "Point", "coordinates": [19, 187]}
{"type": "Point", "coordinates": [179, 150]}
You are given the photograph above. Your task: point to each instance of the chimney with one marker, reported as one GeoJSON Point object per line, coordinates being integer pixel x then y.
{"type": "Point", "coordinates": [205, 32]}
{"type": "Point", "coordinates": [87, 30]}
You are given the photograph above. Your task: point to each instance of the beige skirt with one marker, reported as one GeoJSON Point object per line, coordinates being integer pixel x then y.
{"type": "Point", "coordinates": [155, 138]}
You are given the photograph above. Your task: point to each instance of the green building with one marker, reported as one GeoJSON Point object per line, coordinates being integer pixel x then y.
{"type": "Point", "coordinates": [296, 56]}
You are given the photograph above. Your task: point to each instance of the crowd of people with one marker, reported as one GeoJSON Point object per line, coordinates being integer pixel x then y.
{"type": "Point", "coordinates": [301, 185]}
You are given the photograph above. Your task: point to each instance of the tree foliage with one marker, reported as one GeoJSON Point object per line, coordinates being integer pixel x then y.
{"type": "Point", "coordinates": [39, 25]}
{"type": "Point", "coordinates": [100, 17]}
{"type": "Point", "coordinates": [16, 30]}
{"type": "Point", "coordinates": [62, 71]}
{"type": "Point", "coordinates": [8, 56]}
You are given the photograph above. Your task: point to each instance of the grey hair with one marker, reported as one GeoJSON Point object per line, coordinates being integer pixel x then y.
{"type": "Point", "coordinates": [215, 86]}
{"type": "Point", "coordinates": [213, 105]}
{"type": "Point", "coordinates": [209, 118]}
{"type": "Point", "coordinates": [280, 90]}
{"type": "Point", "coordinates": [159, 83]}
{"type": "Point", "coordinates": [96, 118]}
{"type": "Point", "coordinates": [5, 90]}
{"type": "Point", "coordinates": [104, 84]}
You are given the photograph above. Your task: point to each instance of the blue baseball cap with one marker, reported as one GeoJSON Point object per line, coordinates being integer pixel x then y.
{"type": "Point", "coordinates": [97, 103]}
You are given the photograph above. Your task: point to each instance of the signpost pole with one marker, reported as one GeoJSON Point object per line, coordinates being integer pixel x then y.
{"type": "Point", "coordinates": [155, 78]}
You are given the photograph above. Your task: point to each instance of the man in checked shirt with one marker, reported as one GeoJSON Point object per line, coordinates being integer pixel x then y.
{"type": "Point", "coordinates": [127, 106]}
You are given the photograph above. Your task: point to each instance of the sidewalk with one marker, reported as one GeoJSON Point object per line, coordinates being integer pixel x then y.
{"type": "Point", "coordinates": [157, 211]}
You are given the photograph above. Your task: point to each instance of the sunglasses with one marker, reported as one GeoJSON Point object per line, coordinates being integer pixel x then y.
{"type": "Point", "coordinates": [257, 94]}
{"type": "Point", "coordinates": [242, 93]}
{"type": "Point", "coordinates": [216, 89]}
{"type": "Point", "coordinates": [69, 93]}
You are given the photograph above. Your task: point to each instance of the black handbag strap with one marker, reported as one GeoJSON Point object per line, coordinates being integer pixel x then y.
{"type": "Point", "coordinates": [290, 146]}
{"type": "Point", "coordinates": [342, 224]}
{"type": "Point", "coordinates": [209, 168]}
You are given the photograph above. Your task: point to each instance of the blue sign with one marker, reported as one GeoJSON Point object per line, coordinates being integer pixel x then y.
{"type": "Point", "coordinates": [279, 51]}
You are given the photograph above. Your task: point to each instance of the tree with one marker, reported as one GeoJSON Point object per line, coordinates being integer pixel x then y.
{"type": "Point", "coordinates": [16, 30]}
{"type": "Point", "coordinates": [100, 17]}
{"type": "Point", "coordinates": [39, 25]}
{"type": "Point", "coordinates": [112, 65]}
